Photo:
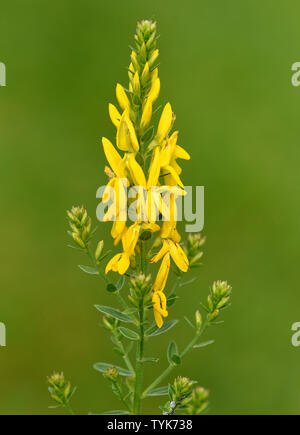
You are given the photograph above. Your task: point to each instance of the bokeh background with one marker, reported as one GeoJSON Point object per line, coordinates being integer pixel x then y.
{"type": "Point", "coordinates": [226, 68]}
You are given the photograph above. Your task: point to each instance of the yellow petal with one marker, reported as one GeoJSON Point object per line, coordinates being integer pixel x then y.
{"type": "Point", "coordinates": [175, 236]}
{"type": "Point", "coordinates": [160, 303]}
{"type": "Point", "coordinates": [154, 75]}
{"type": "Point", "coordinates": [123, 263]}
{"type": "Point", "coordinates": [107, 194]}
{"type": "Point", "coordinates": [114, 158]}
{"type": "Point", "coordinates": [154, 170]}
{"type": "Point", "coordinates": [114, 115]}
{"type": "Point", "coordinates": [136, 171]}
{"type": "Point", "coordinates": [126, 136]}
{"type": "Point", "coordinates": [147, 114]}
{"type": "Point", "coordinates": [178, 255]}
{"type": "Point", "coordinates": [165, 248]}
{"type": "Point", "coordinates": [112, 263]}
{"type": "Point", "coordinates": [167, 229]}
{"type": "Point", "coordinates": [130, 238]}
{"type": "Point", "coordinates": [158, 319]}
{"type": "Point", "coordinates": [180, 153]}
{"type": "Point", "coordinates": [122, 97]}
{"type": "Point", "coordinates": [174, 174]}
{"type": "Point", "coordinates": [165, 123]}
{"type": "Point", "coordinates": [154, 91]}
{"type": "Point", "coordinates": [131, 71]}
{"type": "Point", "coordinates": [151, 226]}
{"type": "Point", "coordinates": [163, 273]}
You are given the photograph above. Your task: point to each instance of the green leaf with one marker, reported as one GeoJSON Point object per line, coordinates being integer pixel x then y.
{"type": "Point", "coordinates": [89, 270]}
{"type": "Point", "coordinates": [114, 313]}
{"type": "Point", "coordinates": [176, 359]}
{"type": "Point", "coordinates": [148, 135]}
{"type": "Point", "coordinates": [189, 322]}
{"type": "Point", "coordinates": [188, 282]}
{"type": "Point", "coordinates": [171, 299]}
{"type": "Point", "coordinates": [172, 350]}
{"type": "Point", "coordinates": [131, 335]}
{"type": "Point", "coordinates": [161, 391]}
{"type": "Point", "coordinates": [166, 326]}
{"type": "Point", "coordinates": [118, 412]}
{"type": "Point", "coordinates": [111, 288]}
{"type": "Point", "coordinates": [101, 367]}
{"type": "Point", "coordinates": [204, 344]}
{"type": "Point", "coordinates": [121, 283]}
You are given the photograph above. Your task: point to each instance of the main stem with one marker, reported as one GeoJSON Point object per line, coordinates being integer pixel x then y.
{"type": "Point", "coordinates": [139, 364]}
{"type": "Point", "coordinates": [140, 347]}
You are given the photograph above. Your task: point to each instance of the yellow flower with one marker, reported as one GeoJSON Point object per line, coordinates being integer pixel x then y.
{"type": "Point", "coordinates": [169, 153]}
{"type": "Point", "coordinates": [147, 114]}
{"type": "Point", "coordinates": [176, 252]}
{"type": "Point", "coordinates": [121, 262]}
{"type": "Point", "coordinates": [122, 97]}
{"type": "Point", "coordinates": [155, 89]}
{"type": "Point", "coordinates": [114, 159]}
{"type": "Point", "coordinates": [165, 123]}
{"type": "Point", "coordinates": [159, 306]}
{"type": "Point", "coordinates": [162, 276]}
{"type": "Point", "coordinates": [136, 172]}
{"type": "Point", "coordinates": [126, 135]}
{"type": "Point", "coordinates": [114, 115]}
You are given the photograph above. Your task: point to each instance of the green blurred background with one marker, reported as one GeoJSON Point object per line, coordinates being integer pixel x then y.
{"type": "Point", "coordinates": [226, 68]}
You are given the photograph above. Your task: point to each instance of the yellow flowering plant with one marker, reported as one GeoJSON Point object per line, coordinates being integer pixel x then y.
{"type": "Point", "coordinates": [144, 181]}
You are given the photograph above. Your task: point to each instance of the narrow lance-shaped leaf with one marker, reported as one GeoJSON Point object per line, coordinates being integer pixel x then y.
{"type": "Point", "coordinates": [114, 313]}
{"type": "Point", "coordinates": [88, 269]}
{"type": "Point", "coordinates": [131, 335]}
{"type": "Point", "coordinates": [204, 344]}
{"type": "Point", "coordinates": [161, 391]}
{"type": "Point", "coordinates": [166, 327]}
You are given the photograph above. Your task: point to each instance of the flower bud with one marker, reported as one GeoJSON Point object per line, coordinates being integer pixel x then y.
{"type": "Point", "coordinates": [111, 374]}
{"type": "Point", "coordinates": [99, 250]}
{"type": "Point", "coordinates": [78, 240]}
{"type": "Point", "coordinates": [59, 389]}
{"type": "Point", "coordinates": [136, 86]}
{"type": "Point", "coordinates": [198, 320]}
{"type": "Point", "coordinates": [212, 316]}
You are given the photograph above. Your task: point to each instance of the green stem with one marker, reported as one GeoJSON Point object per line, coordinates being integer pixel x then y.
{"type": "Point", "coordinates": [168, 370]}
{"type": "Point", "coordinates": [121, 397]}
{"type": "Point", "coordinates": [69, 409]}
{"type": "Point", "coordinates": [139, 364]}
{"type": "Point", "coordinates": [125, 357]}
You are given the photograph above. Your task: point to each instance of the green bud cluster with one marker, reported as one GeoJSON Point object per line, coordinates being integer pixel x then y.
{"type": "Point", "coordinates": [218, 299]}
{"type": "Point", "coordinates": [193, 247]}
{"type": "Point", "coordinates": [180, 390]}
{"type": "Point", "coordinates": [60, 390]}
{"type": "Point", "coordinates": [140, 286]}
{"type": "Point", "coordinates": [145, 40]}
{"type": "Point", "coordinates": [143, 59]}
{"type": "Point", "coordinates": [198, 401]}
{"type": "Point", "coordinates": [179, 393]}
{"type": "Point", "coordinates": [80, 224]}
